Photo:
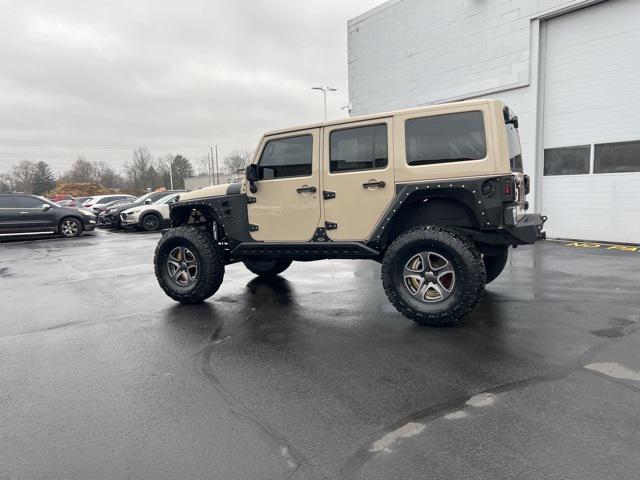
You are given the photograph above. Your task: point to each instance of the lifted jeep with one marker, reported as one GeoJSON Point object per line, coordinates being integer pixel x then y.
{"type": "Point", "coordinates": [435, 194]}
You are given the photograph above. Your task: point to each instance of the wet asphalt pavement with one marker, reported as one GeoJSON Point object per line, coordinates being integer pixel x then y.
{"type": "Point", "coordinates": [313, 375]}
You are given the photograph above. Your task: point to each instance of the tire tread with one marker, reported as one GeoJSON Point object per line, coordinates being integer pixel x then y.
{"type": "Point", "coordinates": [212, 263]}
{"type": "Point", "coordinates": [474, 282]}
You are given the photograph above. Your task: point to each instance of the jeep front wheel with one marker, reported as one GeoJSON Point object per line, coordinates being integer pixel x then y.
{"type": "Point", "coordinates": [267, 268]}
{"type": "Point", "coordinates": [188, 265]}
{"type": "Point", "coordinates": [432, 276]}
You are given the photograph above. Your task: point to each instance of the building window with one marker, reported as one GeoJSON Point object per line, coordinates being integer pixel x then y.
{"type": "Point", "coordinates": [454, 137]}
{"type": "Point", "coordinates": [567, 160]}
{"type": "Point", "coordinates": [287, 157]}
{"type": "Point", "coordinates": [360, 148]}
{"type": "Point", "coordinates": [617, 157]}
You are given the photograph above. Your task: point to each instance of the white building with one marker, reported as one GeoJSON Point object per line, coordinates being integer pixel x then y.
{"type": "Point", "coordinates": [570, 69]}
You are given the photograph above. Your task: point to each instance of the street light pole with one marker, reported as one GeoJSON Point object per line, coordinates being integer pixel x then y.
{"type": "Point", "coordinates": [171, 171]}
{"type": "Point", "coordinates": [324, 91]}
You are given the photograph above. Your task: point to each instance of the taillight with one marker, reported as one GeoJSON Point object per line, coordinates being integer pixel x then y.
{"type": "Point", "coordinates": [508, 187]}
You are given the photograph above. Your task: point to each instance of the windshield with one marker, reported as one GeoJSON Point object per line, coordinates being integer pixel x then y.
{"type": "Point", "coordinates": [48, 202]}
{"type": "Point", "coordinates": [144, 197]}
{"type": "Point", "coordinates": [166, 199]}
{"type": "Point", "coordinates": [515, 151]}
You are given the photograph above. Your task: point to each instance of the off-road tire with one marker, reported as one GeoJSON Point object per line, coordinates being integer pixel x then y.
{"type": "Point", "coordinates": [267, 268]}
{"type": "Point", "coordinates": [209, 258]}
{"type": "Point", "coordinates": [465, 261]}
{"type": "Point", "coordinates": [151, 222]}
{"type": "Point", "coordinates": [494, 264]}
{"type": "Point", "coordinates": [66, 229]}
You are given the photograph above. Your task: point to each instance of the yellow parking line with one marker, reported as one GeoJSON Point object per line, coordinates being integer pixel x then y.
{"type": "Point", "coordinates": [606, 246]}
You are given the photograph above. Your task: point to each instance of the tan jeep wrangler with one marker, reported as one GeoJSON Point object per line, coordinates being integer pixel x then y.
{"type": "Point", "coordinates": [435, 194]}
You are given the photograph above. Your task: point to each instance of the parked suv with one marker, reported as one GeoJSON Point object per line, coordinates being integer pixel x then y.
{"type": "Point", "coordinates": [111, 216]}
{"type": "Point", "coordinates": [29, 214]}
{"type": "Point", "coordinates": [99, 204]}
{"type": "Point", "coordinates": [149, 217]}
{"type": "Point", "coordinates": [437, 195]}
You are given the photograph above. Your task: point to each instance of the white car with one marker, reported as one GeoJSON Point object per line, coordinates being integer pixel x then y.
{"type": "Point", "coordinates": [96, 204]}
{"type": "Point", "coordinates": [149, 217]}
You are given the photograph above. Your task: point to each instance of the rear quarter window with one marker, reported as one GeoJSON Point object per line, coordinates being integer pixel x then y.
{"type": "Point", "coordinates": [452, 137]}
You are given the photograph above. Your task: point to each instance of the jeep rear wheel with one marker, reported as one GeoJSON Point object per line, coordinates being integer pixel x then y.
{"type": "Point", "coordinates": [494, 264]}
{"type": "Point", "coordinates": [188, 265]}
{"type": "Point", "coordinates": [432, 276]}
{"type": "Point", "coordinates": [267, 268]}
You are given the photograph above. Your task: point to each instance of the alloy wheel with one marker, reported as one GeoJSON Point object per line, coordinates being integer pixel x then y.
{"type": "Point", "coordinates": [69, 228]}
{"type": "Point", "coordinates": [182, 265]}
{"type": "Point", "coordinates": [429, 277]}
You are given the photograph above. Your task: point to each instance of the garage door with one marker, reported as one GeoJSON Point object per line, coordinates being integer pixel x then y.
{"type": "Point", "coordinates": [591, 133]}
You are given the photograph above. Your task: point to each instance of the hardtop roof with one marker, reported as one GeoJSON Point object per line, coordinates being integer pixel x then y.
{"type": "Point", "coordinates": [439, 106]}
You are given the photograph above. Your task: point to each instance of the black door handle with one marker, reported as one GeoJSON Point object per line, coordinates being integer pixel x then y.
{"type": "Point", "coordinates": [379, 184]}
{"type": "Point", "coordinates": [306, 190]}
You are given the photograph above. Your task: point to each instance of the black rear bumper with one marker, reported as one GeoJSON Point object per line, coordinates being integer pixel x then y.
{"type": "Point", "coordinates": [528, 229]}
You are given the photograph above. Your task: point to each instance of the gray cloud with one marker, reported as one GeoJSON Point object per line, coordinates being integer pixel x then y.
{"type": "Point", "coordinates": [98, 78]}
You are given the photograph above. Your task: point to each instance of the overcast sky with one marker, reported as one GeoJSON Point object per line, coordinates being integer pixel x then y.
{"type": "Point", "coordinates": [95, 78]}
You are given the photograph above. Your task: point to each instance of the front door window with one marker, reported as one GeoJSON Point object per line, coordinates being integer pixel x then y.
{"type": "Point", "coordinates": [287, 206]}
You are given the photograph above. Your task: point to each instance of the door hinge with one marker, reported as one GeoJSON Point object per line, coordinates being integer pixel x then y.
{"type": "Point", "coordinates": [330, 225]}
{"type": "Point", "coordinates": [251, 199]}
{"type": "Point", "coordinates": [328, 195]}
{"type": "Point", "coordinates": [253, 228]}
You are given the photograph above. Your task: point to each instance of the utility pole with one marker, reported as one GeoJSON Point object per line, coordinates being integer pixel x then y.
{"type": "Point", "coordinates": [211, 169]}
{"type": "Point", "coordinates": [217, 166]}
{"type": "Point", "coordinates": [171, 171]}
{"type": "Point", "coordinates": [324, 91]}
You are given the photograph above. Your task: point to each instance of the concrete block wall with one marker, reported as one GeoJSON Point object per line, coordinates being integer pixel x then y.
{"type": "Point", "coordinates": [408, 53]}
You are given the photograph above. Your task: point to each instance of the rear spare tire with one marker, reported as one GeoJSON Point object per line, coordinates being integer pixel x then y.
{"type": "Point", "coordinates": [188, 264]}
{"type": "Point", "coordinates": [267, 268]}
{"type": "Point", "coordinates": [433, 276]}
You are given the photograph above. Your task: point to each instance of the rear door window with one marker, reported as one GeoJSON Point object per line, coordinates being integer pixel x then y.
{"type": "Point", "coordinates": [360, 148]}
{"type": "Point", "coordinates": [29, 202]}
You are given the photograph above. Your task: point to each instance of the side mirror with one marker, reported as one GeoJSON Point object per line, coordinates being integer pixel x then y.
{"type": "Point", "coordinates": [253, 174]}
{"type": "Point", "coordinates": [45, 207]}
{"type": "Point", "coordinates": [148, 201]}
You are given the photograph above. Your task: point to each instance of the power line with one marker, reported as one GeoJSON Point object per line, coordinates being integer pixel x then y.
{"type": "Point", "coordinates": [110, 146]}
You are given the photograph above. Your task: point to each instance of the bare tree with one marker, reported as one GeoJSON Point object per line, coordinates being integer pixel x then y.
{"type": "Point", "coordinates": [140, 170]}
{"type": "Point", "coordinates": [104, 175]}
{"type": "Point", "coordinates": [23, 174]}
{"type": "Point", "coordinates": [6, 182]}
{"type": "Point", "coordinates": [82, 171]}
{"type": "Point", "coordinates": [236, 162]}
{"type": "Point", "coordinates": [203, 166]}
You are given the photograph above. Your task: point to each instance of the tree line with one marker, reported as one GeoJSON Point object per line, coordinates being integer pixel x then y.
{"type": "Point", "coordinates": [140, 173]}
